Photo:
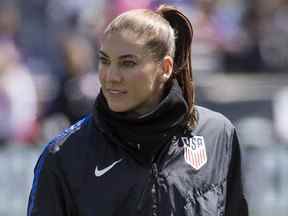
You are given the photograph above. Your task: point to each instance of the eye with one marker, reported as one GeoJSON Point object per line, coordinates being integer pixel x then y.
{"type": "Point", "coordinates": [128, 63]}
{"type": "Point", "coordinates": [104, 61]}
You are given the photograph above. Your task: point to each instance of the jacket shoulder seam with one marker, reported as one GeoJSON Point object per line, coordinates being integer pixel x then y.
{"type": "Point", "coordinates": [55, 144]}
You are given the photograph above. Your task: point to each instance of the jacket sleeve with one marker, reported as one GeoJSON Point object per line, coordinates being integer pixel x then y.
{"type": "Point", "coordinates": [236, 204]}
{"type": "Point", "coordinates": [50, 194]}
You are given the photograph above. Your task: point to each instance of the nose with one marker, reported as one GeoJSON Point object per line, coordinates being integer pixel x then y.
{"type": "Point", "coordinates": [113, 74]}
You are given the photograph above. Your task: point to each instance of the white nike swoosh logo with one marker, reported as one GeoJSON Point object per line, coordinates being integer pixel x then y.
{"type": "Point", "coordinates": [101, 172]}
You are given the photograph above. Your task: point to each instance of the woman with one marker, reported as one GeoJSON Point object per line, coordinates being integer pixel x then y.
{"type": "Point", "coordinates": [146, 149]}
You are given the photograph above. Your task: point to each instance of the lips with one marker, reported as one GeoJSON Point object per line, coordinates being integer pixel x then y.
{"type": "Point", "coordinates": [115, 92]}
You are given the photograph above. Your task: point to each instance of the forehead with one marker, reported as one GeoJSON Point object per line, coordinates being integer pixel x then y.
{"type": "Point", "coordinates": [123, 43]}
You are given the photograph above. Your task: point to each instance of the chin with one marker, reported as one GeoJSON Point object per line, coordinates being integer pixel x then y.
{"type": "Point", "coordinates": [117, 108]}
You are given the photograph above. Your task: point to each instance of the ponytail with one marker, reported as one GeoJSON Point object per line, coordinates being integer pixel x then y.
{"type": "Point", "coordinates": [182, 70]}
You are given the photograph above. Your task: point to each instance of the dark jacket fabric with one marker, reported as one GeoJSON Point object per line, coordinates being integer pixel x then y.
{"type": "Point", "coordinates": [86, 171]}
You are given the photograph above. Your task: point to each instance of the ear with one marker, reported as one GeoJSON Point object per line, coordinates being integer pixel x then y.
{"type": "Point", "coordinates": [167, 68]}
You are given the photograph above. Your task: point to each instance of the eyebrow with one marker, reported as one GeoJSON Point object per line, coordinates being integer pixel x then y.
{"type": "Point", "coordinates": [101, 53]}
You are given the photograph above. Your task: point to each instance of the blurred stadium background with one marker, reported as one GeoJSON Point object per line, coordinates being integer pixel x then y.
{"type": "Point", "coordinates": [48, 80]}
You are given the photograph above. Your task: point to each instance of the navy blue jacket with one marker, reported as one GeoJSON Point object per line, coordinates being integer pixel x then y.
{"type": "Point", "coordinates": [84, 171]}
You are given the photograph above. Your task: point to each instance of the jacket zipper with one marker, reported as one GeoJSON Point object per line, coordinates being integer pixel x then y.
{"type": "Point", "coordinates": [154, 191]}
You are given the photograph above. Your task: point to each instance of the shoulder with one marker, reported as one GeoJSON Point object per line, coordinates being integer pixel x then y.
{"type": "Point", "coordinates": [218, 131]}
{"type": "Point", "coordinates": [212, 123]}
{"type": "Point", "coordinates": [63, 143]}
{"type": "Point", "coordinates": [216, 119]}
{"type": "Point", "coordinates": [71, 132]}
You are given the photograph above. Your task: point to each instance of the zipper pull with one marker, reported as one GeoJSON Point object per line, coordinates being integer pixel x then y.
{"type": "Point", "coordinates": [138, 147]}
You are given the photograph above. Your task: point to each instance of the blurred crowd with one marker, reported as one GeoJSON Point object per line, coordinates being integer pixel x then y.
{"type": "Point", "coordinates": [48, 53]}
{"type": "Point", "coordinates": [48, 60]}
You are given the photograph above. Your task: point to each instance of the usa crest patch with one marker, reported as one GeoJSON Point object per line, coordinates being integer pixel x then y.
{"type": "Point", "coordinates": [195, 151]}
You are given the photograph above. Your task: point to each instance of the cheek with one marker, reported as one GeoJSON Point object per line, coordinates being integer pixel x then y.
{"type": "Point", "coordinates": [139, 76]}
{"type": "Point", "coordinates": [145, 76]}
{"type": "Point", "coordinates": [142, 83]}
